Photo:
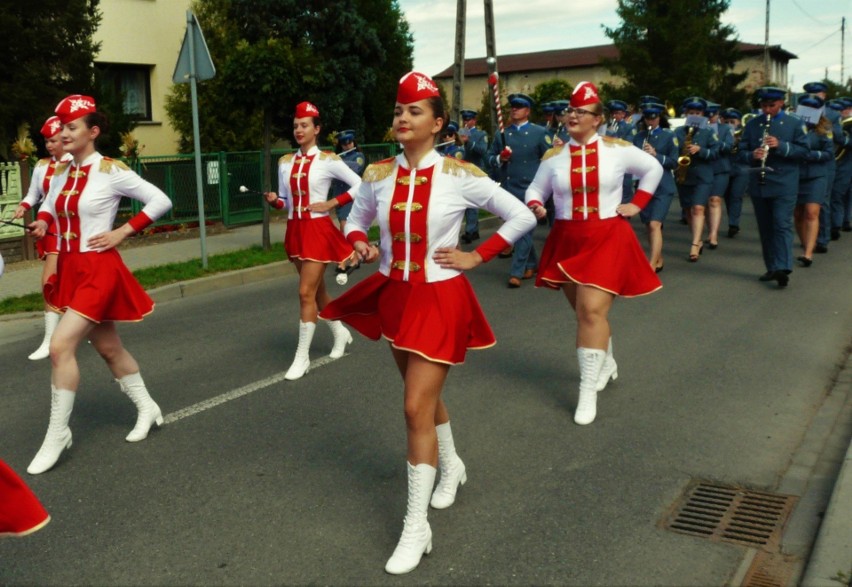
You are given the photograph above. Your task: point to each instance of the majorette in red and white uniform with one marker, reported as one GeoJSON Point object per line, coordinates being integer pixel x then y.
{"type": "Point", "coordinates": [590, 244]}
{"type": "Point", "coordinates": [304, 179]}
{"type": "Point", "coordinates": [21, 513]}
{"type": "Point", "coordinates": [40, 184]}
{"type": "Point", "coordinates": [412, 301]}
{"type": "Point", "coordinates": [83, 201]}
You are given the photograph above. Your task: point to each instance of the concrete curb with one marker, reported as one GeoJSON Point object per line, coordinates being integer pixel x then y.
{"type": "Point", "coordinates": [185, 289]}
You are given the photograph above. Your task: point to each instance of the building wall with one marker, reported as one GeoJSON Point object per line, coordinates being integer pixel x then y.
{"type": "Point", "coordinates": [146, 32]}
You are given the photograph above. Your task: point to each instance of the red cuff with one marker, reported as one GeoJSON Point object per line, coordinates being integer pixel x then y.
{"type": "Point", "coordinates": [343, 198]}
{"type": "Point", "coordinates": [278, 204]}
{"type": "Point", "coordinates": [489, 249]}
{"type": "Point", "coordinates": [641, 198]}
{"type": "Point", "coordinates": [532, 203]}
{"type": "Point", "coordinates": [25, 206]}
{"type": "Point", "coordinates": [45, 216]}
{"type": "Point", "coordinates": [140, 222]}
{"type": "Point", "coordinates": [355, 236]}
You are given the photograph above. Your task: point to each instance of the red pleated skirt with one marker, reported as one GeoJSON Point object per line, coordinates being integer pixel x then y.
{"type": "Point", "coordinates": [315, 239]}
{"type": "Point", "coordinates": [601, 253]}
{"type": "Point", "coordinates": [47, 245]}
{"type": "Point", "coordinates": [97, 286]}
{"type": "Point", "coordinates": [20, 510]}
{"type": "Point", "coordinates": [439, 321]}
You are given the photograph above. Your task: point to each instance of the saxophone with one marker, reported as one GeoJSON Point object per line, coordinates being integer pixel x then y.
{"type": "Point", "coordinates": [685, 160]}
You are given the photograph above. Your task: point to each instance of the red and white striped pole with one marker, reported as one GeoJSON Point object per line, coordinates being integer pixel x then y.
{"type": "Point", "coordinates": [494, 82]}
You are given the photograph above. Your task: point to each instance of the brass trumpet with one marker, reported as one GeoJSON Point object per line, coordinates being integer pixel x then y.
{"type": "Point", "coordinates": [846, 124]}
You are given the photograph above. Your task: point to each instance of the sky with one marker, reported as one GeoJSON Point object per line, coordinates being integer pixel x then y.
{"type": "Point", "coordinates": [808, 29]}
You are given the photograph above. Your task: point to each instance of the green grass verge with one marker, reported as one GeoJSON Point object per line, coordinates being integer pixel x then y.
{"type": "Point", "coordinates": [152, 277]}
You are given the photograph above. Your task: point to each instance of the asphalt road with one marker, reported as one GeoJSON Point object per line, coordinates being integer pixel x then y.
{"type": "Point", "coordinates": [304, 482]}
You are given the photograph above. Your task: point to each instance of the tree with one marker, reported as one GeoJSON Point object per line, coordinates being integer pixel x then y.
{"type": "Point", "coordinates": [549, 91]}
{"type": "Point", "coordinates": [47, 53]}
{"type": "Point", "coordinates": [346, 56]}
{"type": "Point", "coordinates": [675, 49]}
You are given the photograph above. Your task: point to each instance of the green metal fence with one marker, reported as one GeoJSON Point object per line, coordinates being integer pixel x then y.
{"type": "Point", "coordinates": [222, 174]}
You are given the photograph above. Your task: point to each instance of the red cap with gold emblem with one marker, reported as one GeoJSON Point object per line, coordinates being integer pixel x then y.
{"type": "Point", "coordinates": [584, 94]}
{"type": "Point", "coordinates": [415, 86]}
{"type": "Point", "coordinates": [306, 110]}
{"type": "Point", "coordinates": [74, 106]}
{"type": "Point", "coordinates": [50, 127]}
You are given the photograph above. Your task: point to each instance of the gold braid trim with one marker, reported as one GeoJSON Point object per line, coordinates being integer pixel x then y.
{"type": "Point", "coordinates": [286, 158]}
{"type": "Point", "coordinates": [107, 164]}
{"type": "Point", "coordinates": [614, 142]}
{"type": "Point", "coordinates": [453, 166]}
{"type": "Point", "coordinates": [329, 155]}
{"type": "Point", "coordinates": [60, 168]}
{"type": "Point", "coordinates": [552, 152]}
{"type": "Point", "coordinates": [43, 162]}
{"type": "Point", "coordinates": [379, 171]}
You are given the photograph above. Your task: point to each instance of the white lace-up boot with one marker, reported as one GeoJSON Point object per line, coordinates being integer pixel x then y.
{"type": "Point", "coordinates": [342, 337]}
{"type": "Point", "coordinates": [591, 361]}
{"type": "Point", "coordinates": [149, 412]}
{"type": "Point", "coordinates": [58, 436]}
{"type": "Point", "coordinates": [453, 471]}
{"type": "Point", "coordinates": [609, 370]}
{"type": "Point", "coordinates": [416, 539]}
{"type": "Point", "coordinates": [51, 319]}
{"type": "Point", "coordinates": [302, 362]}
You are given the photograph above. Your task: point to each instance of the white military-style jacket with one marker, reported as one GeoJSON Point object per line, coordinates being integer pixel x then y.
{"type": "Point", "coordinates": [306, 179]}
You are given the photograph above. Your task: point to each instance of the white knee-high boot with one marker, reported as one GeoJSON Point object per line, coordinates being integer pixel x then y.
{"type": "Point", "coordinates": [453, 471]}
{"type": "Point", "coordinates": [51, 319]}
{"type": "Point", "coordinates": [591, 361]}
{"type": "Point", "coordinates": [58, 436]}
{"type": "Point", "coordinates": [342, 337]}
{"type": "Point", "coordinates": [416, 536]}
{"type": "Point", "coordinates": [149, 412]}
{"type": "Point", "coordinates": [609, 370]}
{"type": "Point", "coordinates": [302, 362]}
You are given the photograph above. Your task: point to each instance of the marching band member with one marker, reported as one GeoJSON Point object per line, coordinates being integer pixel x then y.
{"type": "Point", "coordinates": [514, 165]}
{"type": "Point", "coordinates": [813, 174]}
{"type": "Point", "coordinates": [738, 178]}
{"type": "Point", "coordinates": [451, 144]}
{"type": "Point", "coordinates": [695, 179]}
{"type": "Point", "coordinates": [842, 185]}
{"type": "Point", "coordinates": [93, 288]}
{"type": "Point", "coordinates": [619, 127]}
{"type": "Point", "coordinates": [419, 299]}
{"type": "Point", "coordinates": [312, 240]}
{"type": "Point", "coordinates": [661, 144]}
{"type": "Point", "coordinates": [721, 173]}
{"type": "Point", "coordinates": [592, 253]}
{"type": "Point", "coordinates": [773, 143]}
{"type": "Point", "coordinates": [39, 186]}
{"type": "Point", "coordinates": [841, 140]}
{"type": "Point", "coordinates": [475, 142]}
{"type": "Point", "coordinates": [350, 154]}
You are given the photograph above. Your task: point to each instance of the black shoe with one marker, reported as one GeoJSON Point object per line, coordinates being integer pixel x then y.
{"type": "Point", "coordinates": [805, 261]}
{"type": "Point", "coordinates": [768, 276]}
{"type": "Point", "coordinates": [732, 231]}
{"type": "Point", "coordinates": [820, 249]}
{"type": "Point", "coordinates": [835, 234]}
{"type": "Point", "coordinates": [782, 278]}
{"type": "Point", "coordinates": [712, 246]}
{"type": "Point", "coordinates": [846, 228]}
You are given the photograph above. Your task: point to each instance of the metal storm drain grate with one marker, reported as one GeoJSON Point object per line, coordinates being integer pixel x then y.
{"type": "Point", "coordinates": [769, 570]}
{"type": "Point", "coordinates": [731, 514]}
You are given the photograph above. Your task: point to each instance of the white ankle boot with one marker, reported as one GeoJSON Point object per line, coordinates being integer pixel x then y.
{"type": "Point", "coordinates": [342, 337]}
{"type": "Point", "coordinates": [149, 412]}
{"type": "Point", "coordinates": [416, 538]}
{"type": "Point", "coordinates": [58, 436]}
{"type": "Point", "coordinates": [302, 362]}
{"type": "Point", "coordinates": [591, 361]}
{"type": "Point", "coordinates": [453, 471]}
{"type": "Point", "coordinates": [609, 370]}
{"type": "Point", "coordinates": [51, 319]}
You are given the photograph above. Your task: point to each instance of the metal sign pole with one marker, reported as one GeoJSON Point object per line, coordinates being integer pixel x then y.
{"type": "Point", "coordinates": [202, 226]}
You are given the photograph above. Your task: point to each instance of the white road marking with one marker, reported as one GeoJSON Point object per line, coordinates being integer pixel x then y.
{"type": "Point", "coordinates": [239, 392]}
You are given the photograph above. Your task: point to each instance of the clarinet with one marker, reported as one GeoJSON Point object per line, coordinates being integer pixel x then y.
{"type": "Point", "coordinates": [765, 150]}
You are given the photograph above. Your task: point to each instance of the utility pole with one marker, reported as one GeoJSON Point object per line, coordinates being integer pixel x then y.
{"type": "Point", "coordinates": [491, 53]}
{"type": "Point", "coordinates": [842, 51]}
{"type": "Point", "coordinates": [766, 80]}
{"type": "Point", "coordinates": [458, 64]}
